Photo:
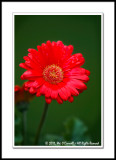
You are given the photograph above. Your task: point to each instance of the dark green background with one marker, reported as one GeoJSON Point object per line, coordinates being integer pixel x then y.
{"type": "Point", "coordinates": [84, 33]}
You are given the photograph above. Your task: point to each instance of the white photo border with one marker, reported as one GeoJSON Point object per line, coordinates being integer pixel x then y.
{"type": "Point", "coordinates": [108, 9]}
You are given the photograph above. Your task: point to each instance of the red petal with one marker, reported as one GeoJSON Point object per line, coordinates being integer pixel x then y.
{"type": "Point", "coordinates": [62, 95]}
{"type": "Point", "coordinates": [75, 71]}
{"type": "Point", "coordinates": [73, 90]}
{"type": "Point", "coordinates": [23, 65]}
{"type": "Point", "coordinates": [38, 94]}
{"type": "Point", "coordinates": [59, 100]}
{"type": "Point", "coordinates": [54, 94]}
{"type": "Point", "coordinates": [17, 88]}
{"type": "Point", "coordinates": [71, 99]}
{"type": "Point", "coordinates": [32, 90]}
{"type": "Point", "coordinates": [87, 72]}
{"type": "Point", "coordinates": [48, 100]}
{"type": "Point", "coordinates": [70, 50]}
{"type": "Point", "coordinates": [80, 85]}
{"type": "Point", "coordinates": [73, 61]}
{"type": "Point", "coordinates": [47, 89]}
{"type": "Point", "coordinates": [30, 75]}
{"type": "Point", "coordinates": [84, 78]}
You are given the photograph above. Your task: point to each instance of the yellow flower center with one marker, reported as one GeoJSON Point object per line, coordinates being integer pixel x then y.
{"type": "Point", "coordinates": [53, 74]}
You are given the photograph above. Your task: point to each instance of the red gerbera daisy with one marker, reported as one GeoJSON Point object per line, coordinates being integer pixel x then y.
{"type": "Point", "coordinates": [52, 71]}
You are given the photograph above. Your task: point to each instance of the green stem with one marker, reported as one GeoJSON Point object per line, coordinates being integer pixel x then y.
{"type": "Point", "coordinates": [24, 114]}
{"type": "Point", "coordinates": [41, 123]}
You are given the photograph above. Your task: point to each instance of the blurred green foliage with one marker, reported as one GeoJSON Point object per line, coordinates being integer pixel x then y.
{"type": "Point", "coordinates": [75, 132]}
{"type": "Point", "coordinates": [18, 128]}
{"type": "Point", "coordinates": [84, 33]}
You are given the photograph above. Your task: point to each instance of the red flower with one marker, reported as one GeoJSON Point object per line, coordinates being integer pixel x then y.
{"type": "Point", "coordinates": [52, 71]}
{"type": "Point", "coordinates": [21, 95]}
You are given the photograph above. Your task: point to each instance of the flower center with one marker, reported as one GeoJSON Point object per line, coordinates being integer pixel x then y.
{"type": "Point", "coordinates": [53, 74]}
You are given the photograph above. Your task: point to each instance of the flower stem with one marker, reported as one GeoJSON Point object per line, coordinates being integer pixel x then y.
{"type": "Point", "coordinates": [24, 114]}
{"type": "Point", "coordinates": [41, 123]}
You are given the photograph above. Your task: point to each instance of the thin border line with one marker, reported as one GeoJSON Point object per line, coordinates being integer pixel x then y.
{"type": "Point", "coordinates": [102, 80]}
{"type": "Point", "coordinates": [57, 13]}
{"type": "Point", "coordinates": [59, 1]}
